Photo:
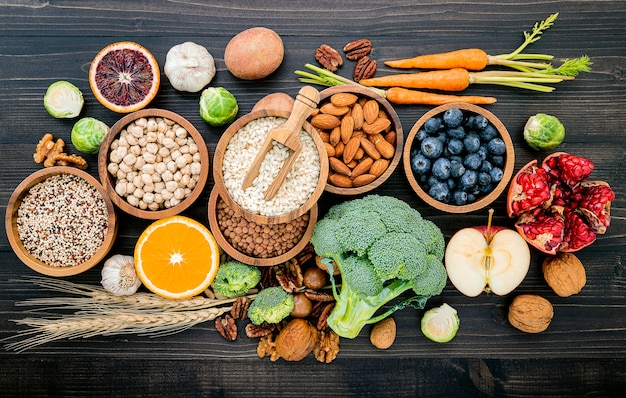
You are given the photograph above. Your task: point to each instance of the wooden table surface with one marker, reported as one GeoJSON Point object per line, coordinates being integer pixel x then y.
{"type": "Point", "coordinates": [581, 354]}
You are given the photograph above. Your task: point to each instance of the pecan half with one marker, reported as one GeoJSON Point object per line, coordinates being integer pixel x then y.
{"type": "Point", "coordinates": [289, 275]}
{"type": "Point", "coordinates": [322, 320]}
{"type": "Point", "coordinates": [254, 331]}
{"type": "Point", "coordinates": [318, 296]}
{"type": "Point", "coordinates": [365, 68]}
{"type": "Point", "coordinates": [357, 49]}
{"type": "Point", "coordinates": [328, 57]}
{"type": "Point", "coordinates": [327, 348]}
{"type": "Point", "coordinates": [226, 327]}
{"type": "Point", "coordinates": [240, 308]}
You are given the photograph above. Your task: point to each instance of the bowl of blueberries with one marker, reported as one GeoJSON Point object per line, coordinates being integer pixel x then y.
{"type": "Point", "coordinates": [458, 157]}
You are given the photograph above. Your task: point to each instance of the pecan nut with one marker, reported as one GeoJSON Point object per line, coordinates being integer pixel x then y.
{"type": "Point", "coordinates": [240, 308]}
{"type": "Point", "coordinates": [255, 331]}
{"type": "Point", "coordinates": [289, 275]}
{"type": "Point", "coordinates": [365, 68]}
{"type": "Point", "coordinates": [357, 49]}
{"type": "Point", "coordinates": [328, 57]}
{"type": "Point", "coordinates": [226, 327]}
{"type": "Point", "coordinates": [322, 320]}
{"type": "Point", "coordinates": [327, 348]}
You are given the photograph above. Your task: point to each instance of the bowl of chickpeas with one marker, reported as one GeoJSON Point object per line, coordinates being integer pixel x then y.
{"type": "Point", "coordinates": [153, 163]}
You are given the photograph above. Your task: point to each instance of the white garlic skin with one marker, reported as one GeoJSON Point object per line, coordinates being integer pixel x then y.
{"type": "Point", "coordinates": [119, 276]}
{"type": "Point", "coordinates": [189, 67]}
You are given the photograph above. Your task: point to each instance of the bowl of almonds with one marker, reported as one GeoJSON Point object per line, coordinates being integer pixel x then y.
{"type": "Point", "coordinates": [362, 135]}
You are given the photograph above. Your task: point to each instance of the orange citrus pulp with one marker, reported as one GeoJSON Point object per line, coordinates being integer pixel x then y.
{"type": "Point", "coordinates": [176, 257]}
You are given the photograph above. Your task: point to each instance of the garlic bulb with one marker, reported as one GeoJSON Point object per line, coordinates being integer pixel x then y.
{"type": "Point", "coordinates": [119, 276]}
{"type": "Point", "coordinates": [189, 67]}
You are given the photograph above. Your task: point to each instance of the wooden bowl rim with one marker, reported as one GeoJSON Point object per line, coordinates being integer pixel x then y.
{"type": "Point", "coordinates": [11, 223]}
{"type": "Point", "coordinates": [107, 180]}
{"type": "Point", "coordinates": [395, 161]}
{"type": "Point", "coordinates": [244, 258]}
{"type": "Point", "coordinates": [218, 177]}
{"type": "Point", "coordinates": [483, 201]}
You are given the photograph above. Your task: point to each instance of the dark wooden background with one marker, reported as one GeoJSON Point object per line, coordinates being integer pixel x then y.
{"type": "Point", "coordinates": [581, 354]}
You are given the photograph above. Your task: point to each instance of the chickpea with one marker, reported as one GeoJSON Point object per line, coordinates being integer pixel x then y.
{"type": "Point", "coordinates": [132, 200]}
{"type": "Point", "coordinates": [120, 188]}
{"type": "Point", "coordinates": [141, 122]}
{"type": "Point", "coordinates": [151, 137]}
{"type": "Point", "coordinates": [152, 125]}
{"type": "Point", "coordinates": [169, 143]}
{"type": "Point", "coordinates": [149, 157]}
{"type": "Point", "coordinates": [113, 168]}
{"type": "Point", "coordinates": [195, 168]}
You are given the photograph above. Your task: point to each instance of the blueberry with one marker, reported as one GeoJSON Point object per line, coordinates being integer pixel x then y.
{"type": "Point", "coordinates": [456, 132]}
{"type": "Point", "coordinates": [439, 192]}
{"type": "Point", "coordinates": [420, 164]}
{"type": "Point", "coordinates": [471, 197]}
{"type": "Point", "coordinates": [471, 143]}
{"type": "Point", "coordinates": [451, 183]}
{"type": "Point", "coordinates": [453, 117]}
{"type": "Point", "coordinates": [432, 125]}
{"type": "Point", "coordinates": [432, 180]}
{"type": "Point", "coordinates": [472, 161]}
{"type": "Point", "coordinates": [496, 174]}
{"type": "Point", "coordinates": [486, 188]}
{"type": "Point", "coordinates": [484, 178]}
{"type": "Point", "coordinates": [468, 179]}
{"type": "Point", "coordinates": [442, 137]}
{"type": "Point", "coordinates": [483, 152]}
{"type": "Point", "coordinates": [441, 168]}
{"type": "Point", "coordinates": [496, 146]}
{"type": "Point", "coordinates": [456, 168]}
{"type": "Point", "coordinates": [480, 122]}
{"type": "Point", "coordinates": [486, 166]}
{"type": "Point", "coordinates": [421, 134]}
{"type": "Point", "coordinates": [497, 160]}
{"type": "Point", "coordinates": [432, 147]}
{"type": "Point", "coordinates": [488, 133]}
{"type": "Point", "coordinates": [459, 197]}
{"type": "Point", "coordinates": [455, 146]}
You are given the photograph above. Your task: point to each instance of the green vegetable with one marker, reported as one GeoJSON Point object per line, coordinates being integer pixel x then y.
{"type": "Point", "coordinates": [271, 305]}
{"type": "Point", "coordinates": [234, 278]}
{"type": "Point", "coordinates": [383, 248]}
{"type": "Point", "coordinates": [63, 100]}
{"type": "Point", "coordinates": [88, 133]}
{"type": "Point", "coordinates": [440, 324]}
{"type": "Point", "coordinates": [218, 106]}
{"type": "Point", "coordinates": [544, 132]}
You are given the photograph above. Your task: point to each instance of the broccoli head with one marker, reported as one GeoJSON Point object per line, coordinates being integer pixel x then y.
{"type": "Point", "coordinates": [234, 278]}
{"type": "Point", "coordinates": [271, 305]}
{"type": "Point", "coordinates": [383, 248]}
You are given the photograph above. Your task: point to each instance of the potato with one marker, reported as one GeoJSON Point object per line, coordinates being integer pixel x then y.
{"type": "Point", "coordinates": [278, 101]}
{"type": "Point", "coordinates": [254, 53]}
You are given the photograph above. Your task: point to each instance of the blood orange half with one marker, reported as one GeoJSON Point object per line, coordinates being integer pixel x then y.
{"type": "Point", "coordinates": [124, 77]}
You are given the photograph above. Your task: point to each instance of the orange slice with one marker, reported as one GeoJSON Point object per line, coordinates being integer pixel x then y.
{"type": "Point", "coordinates": [176, 257]}
{"type": "Point", "coordinates": [124, 77]}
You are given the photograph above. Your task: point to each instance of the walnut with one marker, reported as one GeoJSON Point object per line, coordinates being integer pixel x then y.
{"type": "Point", "coordinates": [565, 274]}
{"type": "Point", "coordinates": [357, 49]}
{"type": "Point", "coordinates": [328, 347]}
{"type": "Point", "coordinates": [530, 313]}
{"type": "Point", "coordinates": [226, 327]}
{"type": "Point", "coordinates": [328, 57]}
{"type": "Point", "coordinates": [44, 147]}
{"type": "Point", "coordinates": [51, 153]}
{"type": "Point", "coordinates": [63, 159]}
{"type": "Point", "coordinates": [240, 308]}
{"type": "Point", "coordinates": [267, 347]}
{"type": "Point", "coordinates": [365, 68]}
{"type": "Point", "coordinates": [254, 331]}
{"type": "Point", "coordinates": [289, 275]}
{"type": "Point", "coordinates": [296, 340]}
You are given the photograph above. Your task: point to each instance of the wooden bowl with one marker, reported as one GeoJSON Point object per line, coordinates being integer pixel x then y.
{"type": "Point", "coordinates": [24, 255]}
{"type": "Point", "coordinates": [246, 258]}
{"type": "Point", "coordinates": [396, 126]}
{"type": "Point", "coordinates": [481, 201]}
{"type": "Point", "coordinates": [108, 180]}
{"type": "Point", "coordinates": [218, 176]}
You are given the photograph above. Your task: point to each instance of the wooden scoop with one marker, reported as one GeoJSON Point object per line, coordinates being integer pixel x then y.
{"type": "Point", "coordinates": [287, 134]}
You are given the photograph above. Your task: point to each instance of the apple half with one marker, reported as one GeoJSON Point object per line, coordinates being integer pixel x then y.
{"type": "Point", "coordinates": [487, 259]}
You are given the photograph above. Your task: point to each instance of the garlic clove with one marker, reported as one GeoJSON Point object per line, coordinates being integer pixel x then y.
{"type": "Point", "coordinates": [119, 276]}
{"type": "Point", "coordinates": [189, 67]}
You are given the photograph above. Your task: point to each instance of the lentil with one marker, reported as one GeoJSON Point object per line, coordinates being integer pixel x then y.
{"type": "Point", "coordinates": [62, 221]}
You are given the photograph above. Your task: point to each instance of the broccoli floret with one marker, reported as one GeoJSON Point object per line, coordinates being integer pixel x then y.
{"type": "Point", "coordinates": [383, 248]}
{"type": "Point", "coordinates": [271, 305]}
{"type": "Point", "coordinates": [234, 278]}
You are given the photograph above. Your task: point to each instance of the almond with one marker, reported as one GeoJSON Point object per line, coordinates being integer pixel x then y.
{"type": "Point", "coordinates": [339, 166]}
{"type": "Point", "coordinates": [359, 154]}
{"type": "Point", "coordinates": [391, 137]}
{"type": "Point", "coordinates": [370, 111]}
{"type": "Point", "coordinates": [339, 149]}
{"type": "Point", "coordinates": [363, 167]}
{"type": "Point", "coordinates": [378, 126]}
{"type": "Point", "coordinates": [378, 167]}
{"type": "Point", "coordinates": [363, 179]}
{"type": "Point", "coordinates": [330, 150]}
{"type": "Point", "coordinates": [350, 150]}
{"type": "Point", "coordinates": [343, 99]}
{"type": "Point", "coordinates": [386, 149]}
{"type": "Point", "coordinates": [347, 127]}
{"type": "Point", "coordinates": [325, 121]}
{"type": "Point", "coordinates": [335, 136]}
{"type": "Point", "coordinates": [357, 115]}
{"type": "Point", "coordinates": [352, 164]}
{"type": "Point", "coordinates": [324, 136]}
{"type": "Point", "coordinates": [332, 109]}
{"type": "Point", "coordinates": [340, 181]}
{"type": "Point", "coordinates": [369, 148]}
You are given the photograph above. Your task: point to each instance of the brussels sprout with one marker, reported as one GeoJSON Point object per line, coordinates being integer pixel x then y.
{"type": "Point", "coordinates": [88, 133]}
{"type": "Point", "coordinates": [218, 106]}
{"type": "Point", "coordinates": [440, 324]}
{"type": "Point", "coordinates": [63, 100]}
{"type": "Point", "coordinates": [543, 132]}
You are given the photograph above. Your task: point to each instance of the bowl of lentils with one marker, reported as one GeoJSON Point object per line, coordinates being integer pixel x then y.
{"type": "Point", "coordinates": [459, 157]}
{"type": "Point", "coordinates": [153, 163]}
{"type": "Point", "coordinates": [60, 221]}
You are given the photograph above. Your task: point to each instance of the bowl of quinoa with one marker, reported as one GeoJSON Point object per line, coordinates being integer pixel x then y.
{"type": "Point", "coordinates": [235, 153]}
{"type": "Point", "coordinates": [60, 221]}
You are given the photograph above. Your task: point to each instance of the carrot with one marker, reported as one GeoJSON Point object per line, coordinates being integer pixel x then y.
{"type": "Point", "coordinates": [470, 59]}
{"type": "Point", "coordinates": [456, 79]}
{"type": "Point", "coordinates": [403, 96]}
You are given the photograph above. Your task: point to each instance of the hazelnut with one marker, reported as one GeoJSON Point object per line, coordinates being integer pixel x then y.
{"type": "Point", "coordinates": [302, 306]}
{"type": "Point", "coordinates": [565, 274]}
{"type": "Point", "coordinates": [383, 333]}
{"type": "Point", "coordinates": [530, 313]}
{"type": "Point", "coordinates": [315, 278]}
